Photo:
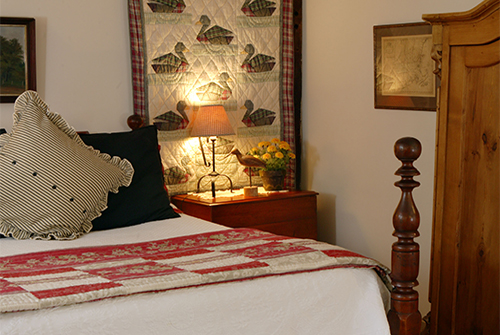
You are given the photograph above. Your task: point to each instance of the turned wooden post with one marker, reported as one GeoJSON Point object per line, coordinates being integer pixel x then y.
{"type": "Point", "coordinates": [135, 122]}
{"type": "Point", "coordinates": [404, 317]}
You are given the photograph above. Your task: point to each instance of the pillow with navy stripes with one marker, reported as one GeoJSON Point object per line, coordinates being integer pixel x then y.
{"type": "Point", "coordinates": [52, 185]}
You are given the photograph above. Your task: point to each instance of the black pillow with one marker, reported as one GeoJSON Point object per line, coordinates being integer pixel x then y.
{"type": "Point", "coordinates": [146, 198]}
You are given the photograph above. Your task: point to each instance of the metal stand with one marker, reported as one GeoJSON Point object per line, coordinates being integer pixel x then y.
{"type": "Point", "coordinates": [214, 174]}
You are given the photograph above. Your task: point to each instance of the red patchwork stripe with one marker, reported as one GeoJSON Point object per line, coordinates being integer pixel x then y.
{"type": "Point", "coordinates": [36, 273]}
{"type": "Point", "coordinates": [249, 265]}
{"type": "Point", "coordinates": [73, 290]}
{"type": "Point", "coordinates": [178, 254]}
{"type": "Point", "coordinates": [139, 270]}
{"type": "Point", "coordinates": [8, 288]}
{"type": "Point", "coordinates": [341, 253]}
{"type": "Point", "coordinates": [270, 250]}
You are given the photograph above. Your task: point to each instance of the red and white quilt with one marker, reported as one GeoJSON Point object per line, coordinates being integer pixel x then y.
{"type": "Point", "coordinates": [62, 277]}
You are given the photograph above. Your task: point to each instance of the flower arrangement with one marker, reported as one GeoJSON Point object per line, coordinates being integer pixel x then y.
{"type": "Point", "coordinates": [276, 154]}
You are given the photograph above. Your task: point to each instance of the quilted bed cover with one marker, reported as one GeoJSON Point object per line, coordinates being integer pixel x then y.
{"type": "Point", "coordinates": [339, 301]}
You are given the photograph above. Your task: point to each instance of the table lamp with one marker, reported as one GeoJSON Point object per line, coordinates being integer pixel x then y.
{"type": "Point", "coordinates": [211, 121]}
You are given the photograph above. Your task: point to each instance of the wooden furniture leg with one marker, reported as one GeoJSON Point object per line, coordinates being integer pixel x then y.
{"type": "Point", "coordinates": [404, 317]}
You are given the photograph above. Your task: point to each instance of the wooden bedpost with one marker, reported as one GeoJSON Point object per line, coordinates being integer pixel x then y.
{"type": "Point", "coordinates": [404, 317]}
{"type": "Point", "coordinates": [135, 122]}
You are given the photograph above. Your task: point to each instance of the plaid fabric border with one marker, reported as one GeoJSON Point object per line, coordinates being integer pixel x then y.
{"type": "Point", "coordinates": [137, 53]}
{"type": "Point", "coordinates": [288, 114]}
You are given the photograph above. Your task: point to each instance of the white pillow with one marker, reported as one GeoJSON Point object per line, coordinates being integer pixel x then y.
{"type": "Point", "coordinates": [52, 185]}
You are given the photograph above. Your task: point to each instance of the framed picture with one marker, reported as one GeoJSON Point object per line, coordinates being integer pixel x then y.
{"type": "Point", "coordinates": [18, 58]}
{"type": "Point", "coordinates": [404, 77]}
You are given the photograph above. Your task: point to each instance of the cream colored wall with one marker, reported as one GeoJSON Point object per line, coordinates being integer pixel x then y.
{"type": "Point", "coordinates": [348, 145]}
{"type": "Point", "coordinates": [83, 70]}
{"type": "Point", "coordinates": [83, 60]}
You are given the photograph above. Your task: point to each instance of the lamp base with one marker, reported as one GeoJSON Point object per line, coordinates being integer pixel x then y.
{"type": "Point", "coordinates": [214, 175]}
{"type": "Point", "coordinates": [250, 191]}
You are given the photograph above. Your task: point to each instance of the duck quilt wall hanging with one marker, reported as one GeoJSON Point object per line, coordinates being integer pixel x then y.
{"type": "Point", "coordinates": [235, 53]}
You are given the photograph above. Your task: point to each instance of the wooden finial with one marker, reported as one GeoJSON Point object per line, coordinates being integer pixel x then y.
{"type": "Point", "coordinates": [404, 317]}
{"type": "Point", "coordinates": [134, 121]}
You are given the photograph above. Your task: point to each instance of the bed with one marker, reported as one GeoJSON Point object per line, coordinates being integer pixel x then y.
{"type": "Point", "coordinates": [111, 255]}
{"type": "Point", "coordinates": [340, 301]}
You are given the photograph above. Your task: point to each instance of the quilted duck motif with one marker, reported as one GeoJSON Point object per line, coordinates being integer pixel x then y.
{"type": "Point", "coordinates": [214, 91]}
{"type": "Point", "coordinates": [171, 63]}
{"type": "Point", "coordinates": [213, 35]}
{"type": "Point", "coordinates": [178, 175]}
{"type": "Point", "coordinates": [171, 121]}
{"type": "Point", "coordinates": [260, 117]}
{"type": "Point", "coordinates": [258, 63]}
{"type": "Point", "coordinates": [258, 8]}
{"type": "Point", "coordinates": [167, 6]}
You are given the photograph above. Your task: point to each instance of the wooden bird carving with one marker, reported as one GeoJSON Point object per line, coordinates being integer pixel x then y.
{"type": "Point", "coordinates": [249, 161]}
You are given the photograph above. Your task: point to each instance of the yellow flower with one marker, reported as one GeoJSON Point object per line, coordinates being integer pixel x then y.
{"type": "Point", "coordinates": [255, 149]}
{"type": "Point", "coordinates": [266, 156]}
{"type": "Point", "coordinates": [272, 149]}
{"type": "Point", "coordinates": [264, 144]}
{"type": "Point", "coordinates": [284, 145]}
{"type": "Point", "coordinates": [256, 156]}
{"type": "Point", "coordinates": [275, 140]}
{"type": "Point", "coordinates": [279, 155]}
{"type": "Point", "coordinates": [291, 155]}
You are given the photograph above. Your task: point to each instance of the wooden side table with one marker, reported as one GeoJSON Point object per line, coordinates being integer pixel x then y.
{"type": "Point", "coordinates": [291, 213]}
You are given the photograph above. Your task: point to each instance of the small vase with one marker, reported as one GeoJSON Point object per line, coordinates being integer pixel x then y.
{"type": "Point", "coordinates": [273, 180]}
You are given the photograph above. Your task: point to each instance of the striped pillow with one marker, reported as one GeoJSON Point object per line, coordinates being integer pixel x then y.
{"type": "Point", "coordinates": [52, 185]}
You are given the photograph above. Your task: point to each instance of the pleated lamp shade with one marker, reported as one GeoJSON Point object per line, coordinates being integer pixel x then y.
{"type": "Point", "coordinates": [211, 121]}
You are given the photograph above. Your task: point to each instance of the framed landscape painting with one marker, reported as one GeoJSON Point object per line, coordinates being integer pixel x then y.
{"type": "Point", "coordinates": [17, 58]}
{"type": "Point", "coordinates": [404, 77]}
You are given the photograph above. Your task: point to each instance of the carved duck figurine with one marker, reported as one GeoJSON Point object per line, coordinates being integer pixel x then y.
{"type": "Point", "coordinates": [167, 6]}
{"type": "Point", "coordinates": [213, 35]}
{"type": "Point", "coordinates": [258, 63]}
{"type": "Point", "coordinates": [171, 63]}
{"type": "Point", "coordinates": [248, 161]}
{"type": "Point", "coordinates": [260, 117]}
{"type": "Point", "coordinates": [258, 8]}
{"type": "Point", "coordinates": [171, 121]}
{"type": "Point", "coordinates": [214, 91]}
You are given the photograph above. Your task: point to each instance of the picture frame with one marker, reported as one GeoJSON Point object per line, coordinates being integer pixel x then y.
{"type": "Point", "coordinates": [403, 68]}
{"type": "Point", "coordinates": [18, 42]}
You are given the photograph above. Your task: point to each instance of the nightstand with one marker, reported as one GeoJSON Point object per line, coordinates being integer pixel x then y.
{"type": "Point", "coordinates": [291, 213]}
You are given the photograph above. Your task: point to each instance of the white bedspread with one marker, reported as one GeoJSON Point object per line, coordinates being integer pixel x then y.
{"type": "Point", "coordinates": [339, 301]}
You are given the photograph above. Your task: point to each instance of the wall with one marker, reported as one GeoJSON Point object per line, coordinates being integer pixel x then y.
{"type": "Point", "coordinates": [348, 145]}
{"type": "Point", "coordinates": [83, 60]}
{"type": "Point", "coordinates": [83, 69]}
